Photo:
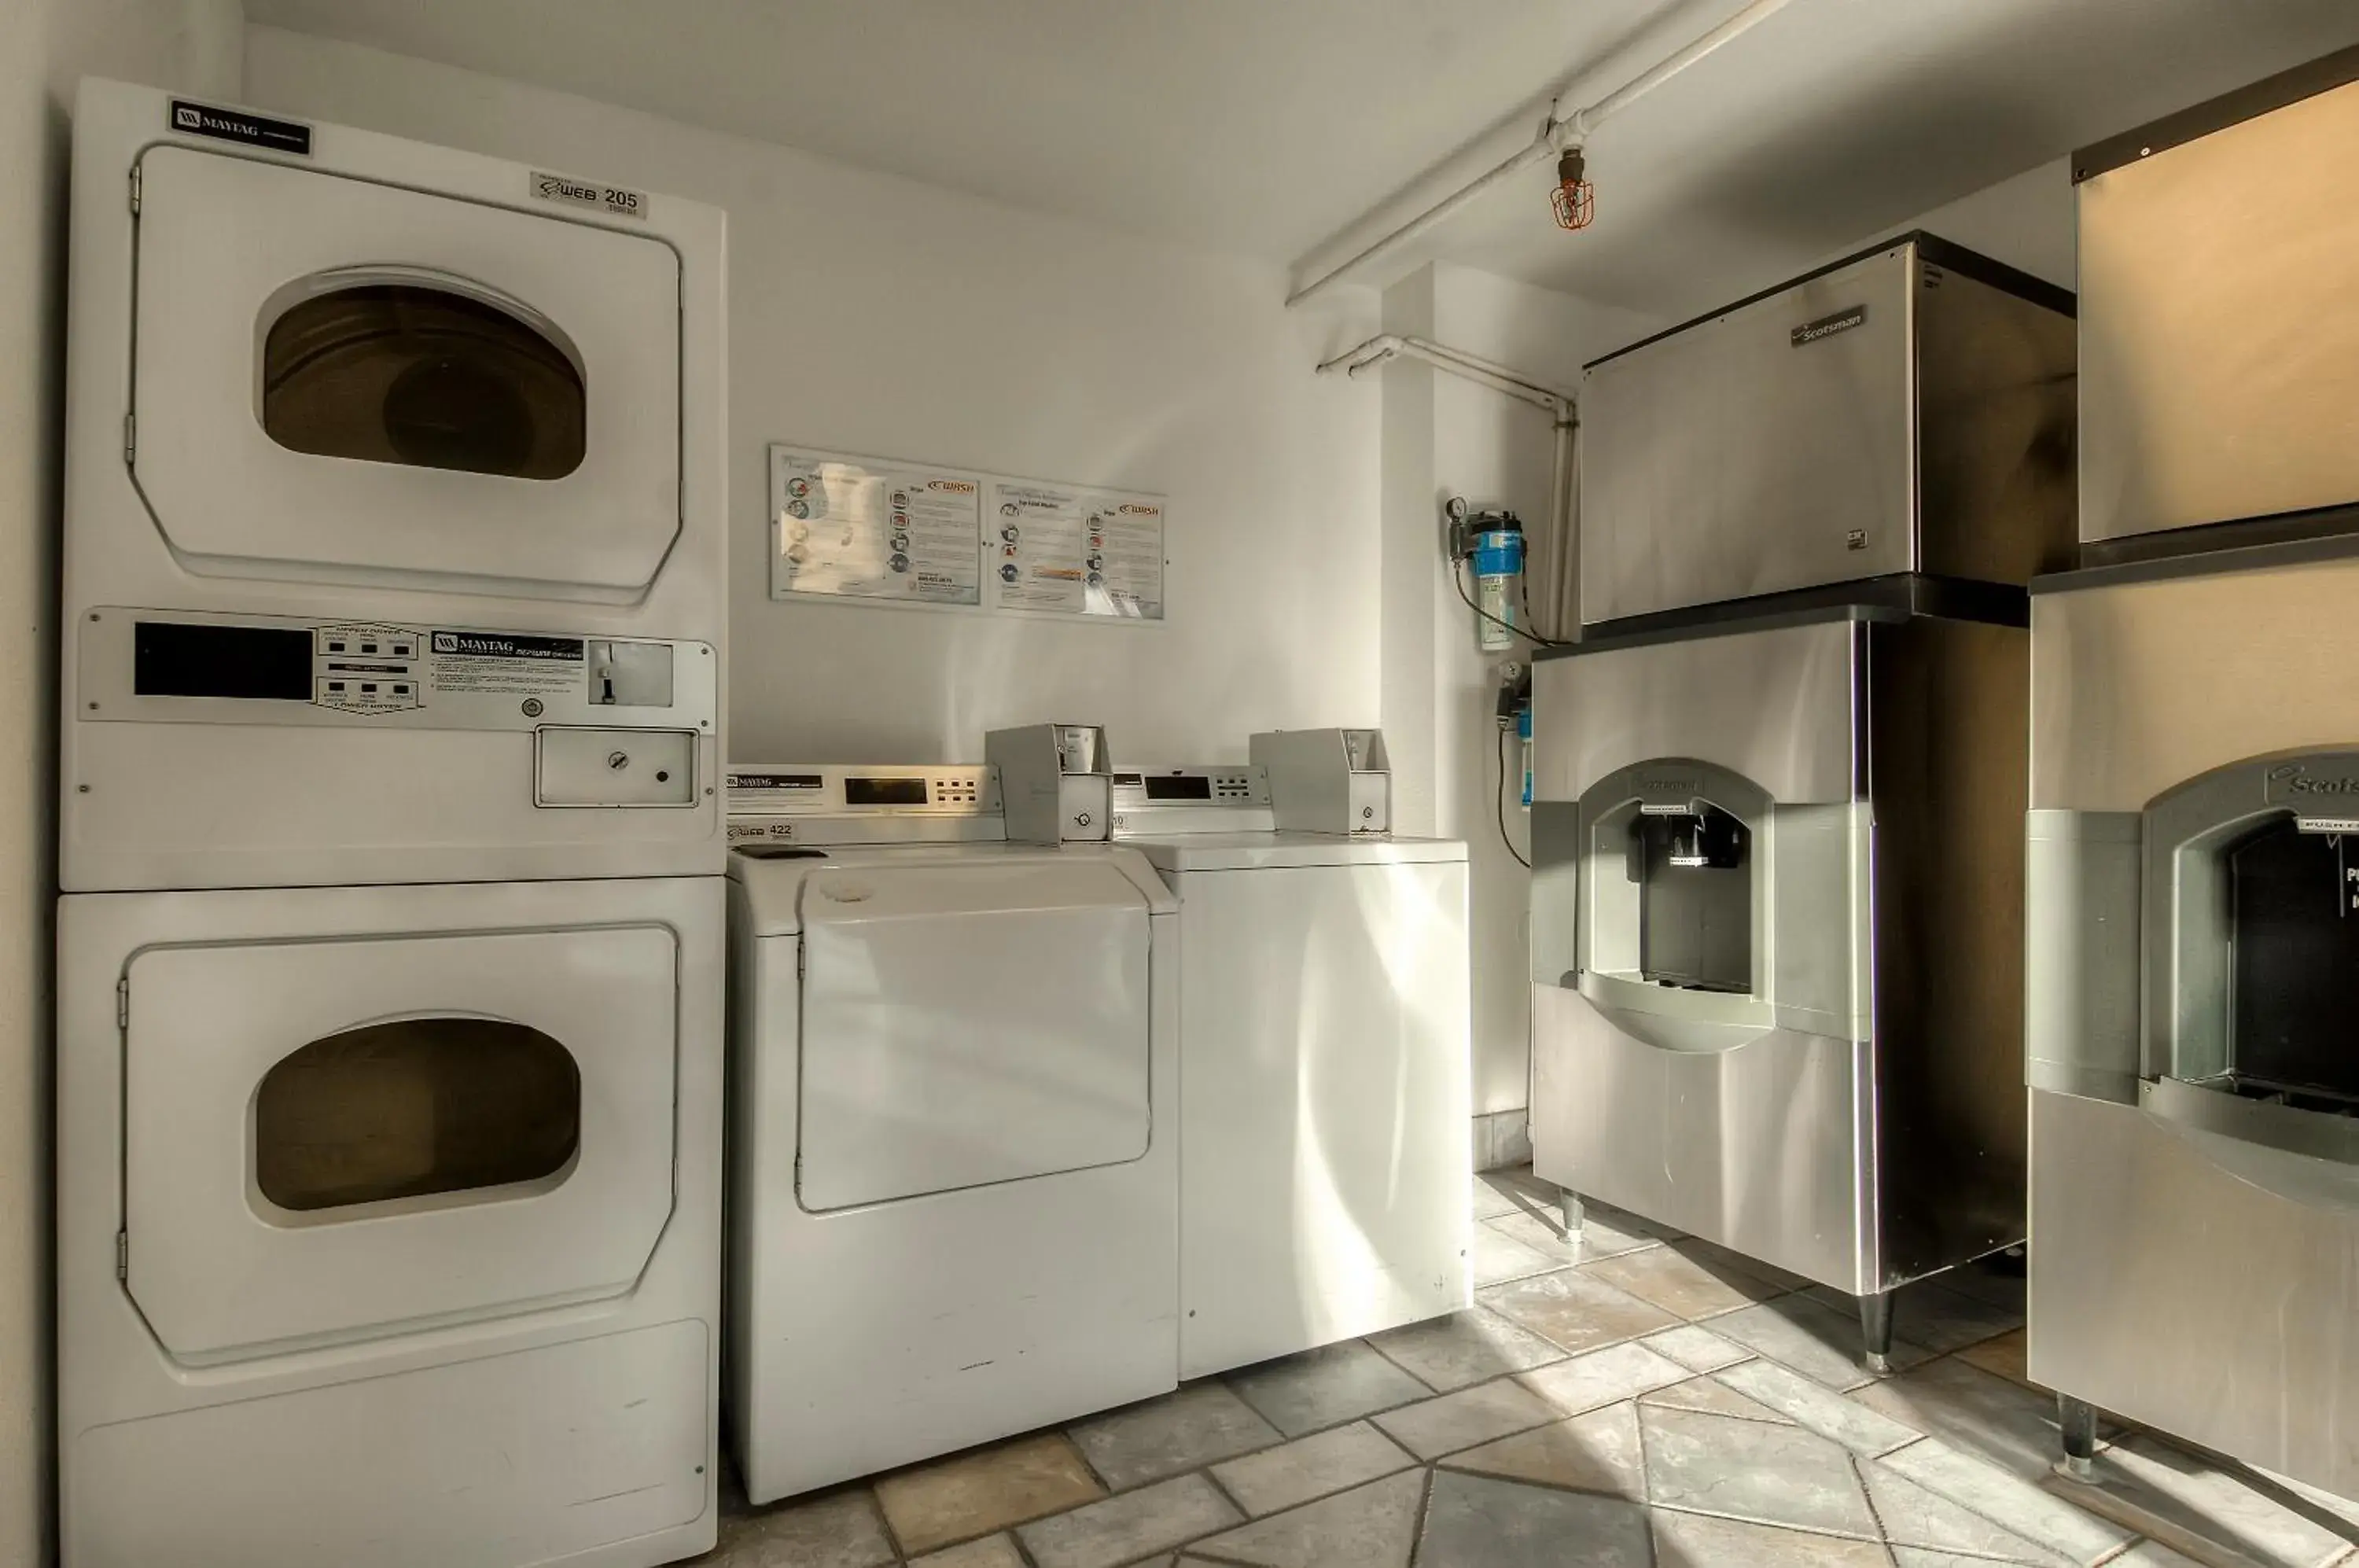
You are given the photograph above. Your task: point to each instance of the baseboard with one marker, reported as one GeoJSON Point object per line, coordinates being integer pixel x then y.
{"type": "Point", "coordinates": [1503, 1138]}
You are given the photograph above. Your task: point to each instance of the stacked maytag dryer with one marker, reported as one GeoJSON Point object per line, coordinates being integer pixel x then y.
{"type": "Point", "coordinates": [2193, 848]}
{"type": "Point", "coordinates": [389, 971]}
{"type": "Point", "coordinates": [1776, 914]}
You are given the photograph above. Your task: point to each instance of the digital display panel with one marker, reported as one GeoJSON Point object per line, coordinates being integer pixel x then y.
{"type": "Point", "coordinates": [859, 791]}
{"type": "Point", "coordinates": [1193, 786]}
{"type": "Point", "coordinates": [178, 659]}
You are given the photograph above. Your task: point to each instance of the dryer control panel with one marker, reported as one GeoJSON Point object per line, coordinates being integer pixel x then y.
{"type": "Point", "coordinates": [612, 722]}
{"type": "Point", "coordinates": [188, 667]}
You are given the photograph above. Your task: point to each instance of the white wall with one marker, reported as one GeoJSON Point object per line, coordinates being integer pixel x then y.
{"type": "Point", "coordinates": [874, 315]}
{"type": "Point", "coordinates": [1445, 437]}
{"type": "Point", "coordinates": [45, 47]}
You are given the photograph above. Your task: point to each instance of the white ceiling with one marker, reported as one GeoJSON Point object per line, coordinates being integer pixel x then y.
{"type": "Point", "coordinates": [1269, 127]}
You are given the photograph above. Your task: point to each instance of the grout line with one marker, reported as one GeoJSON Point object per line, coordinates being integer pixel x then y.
{"type": "Point", "coordinates": [1416, 1524]}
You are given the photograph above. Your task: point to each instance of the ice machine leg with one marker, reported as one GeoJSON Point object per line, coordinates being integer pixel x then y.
{"type": "Point", "coordinates": [1568, 1202]}
{"type": "Point", "coordinates": [1876, 1327]}
{"type": "Point", "coordinates": [2077, 1419]}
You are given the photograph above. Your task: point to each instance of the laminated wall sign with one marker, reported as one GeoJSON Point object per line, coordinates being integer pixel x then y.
{"type": "Point", "coordinates": [855, 529]}
{"type": "Point", "coordinates": [880, 531]}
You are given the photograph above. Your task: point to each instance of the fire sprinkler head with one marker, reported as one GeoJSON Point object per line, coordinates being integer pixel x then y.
{"type": "Point", "coordinates": [1574, 198]}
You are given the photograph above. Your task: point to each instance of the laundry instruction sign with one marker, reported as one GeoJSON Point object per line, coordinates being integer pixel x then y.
{"type": "Point", "coordinates": [881, 531]}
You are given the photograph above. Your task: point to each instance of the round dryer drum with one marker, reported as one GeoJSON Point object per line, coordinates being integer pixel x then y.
{"type": "Point", "coordinates": [340, 381]}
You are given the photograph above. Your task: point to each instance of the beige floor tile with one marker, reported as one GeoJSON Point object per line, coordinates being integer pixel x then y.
{"type": "Point", "coordinates": [1576, 1309]}
{"type": "Point", "coordinates": [2212, 1504]}
{"type": "Point", "coordinates": [1750, 1470]}
{"type": "Point", "coordinates": [1915, 1518]}
{"type": "Point", "coordinates": [1294, 1472]}
{"type": "Point", "coordinates": [989, 1489]}
{"type": "Point", "coordinates": [1490, 1201]}
{"type": "Point", "coordinates": [1856, 1425]}
{"type": "Point", "coordinates": [1697, 1349]}
{"type": "Point", "coordinates": [1812, 1338]}
{"type": "Point", "coordinates": [1709, 1396]}
{"type": "Point", "coordinates": [1602, 1378]}
{"type": "Point", "coordinates": [991, 1551]}
{"type": "Point", "coordinates": [2005, 1423]}
{"type": "Point", "coordinates": [2007, 1357]}
{"type": "Point", "coordinates": [1135, 1525]}
{"type": "Point", "coordinates": [1494, 1257]}
{"type": "Point", "coordinates": [1682, 1285]}
{"type": "Point", "coordinates": [1714, 1255]}
{"type": "Point", "coordinates": [1325, 1388]}
{"type": "Point", "coordinates": [834, 1530]}
{"type": "Point", "coordinates": [1200, 1424]}
{"type": "Point", "coordinates": [1373, 1526]}
{"type": "Point", "coordinates": [1596, 1238]}
{"type": "Point", "coordinates": [1462, 1420]}
{"type": "Point", "coordinates": [1480, 1522]}
{"type": "Point", "coordinates": [1463, 1349]}
{"type": "Point", "coordinates": [1696, 1541]}
{"type": "Point", "coordinates": [1593, 1453]}
{"type": "Point", "coordinates": [2006, 1500]}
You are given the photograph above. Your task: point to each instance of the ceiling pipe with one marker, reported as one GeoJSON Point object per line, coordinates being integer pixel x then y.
{"type": "Point", "coordinates": [1560, 406]}
{"type": "Point", "coordinates": [1555, 135]}
{"type": "Point", "coordinates": [1487, 373]}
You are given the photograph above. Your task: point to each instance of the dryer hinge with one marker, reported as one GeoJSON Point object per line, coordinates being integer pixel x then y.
{"type": "Point", "coordinates": [122, 1003]}
{"type": "Point", "coordinates": [123, 1255]}
{"type": "Point", "coordinates": [130, 438]}
{"type": "Point", "coordinates": [135, 188]}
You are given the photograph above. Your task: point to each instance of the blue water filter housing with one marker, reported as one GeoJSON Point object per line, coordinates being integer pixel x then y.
{"type": "Point", "coordinates": [1498, 573]}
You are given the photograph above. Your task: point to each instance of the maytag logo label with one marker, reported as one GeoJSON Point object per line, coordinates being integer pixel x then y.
{"type": "Point", "coordinates": [1828, 326]}
{"type": "Point", "coordinates": [1667, 784]}
{"type": "Point", "coordinates": [488, 645]}
{"type": "Point", "coordinates": [2294, 780]}
{"type": "Point", "coordinates": [235, 125]}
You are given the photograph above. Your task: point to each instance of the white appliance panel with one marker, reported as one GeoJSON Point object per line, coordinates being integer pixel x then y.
{"type": "Point", "coordinates": [1324, 1111]}
{"type": "Point", "coordinates": [593, 1441]}
{"type": "Point", "coordinates": [969, 1024]}
{"type": "Point", "coordinates": [221, 241]}
{"type": "Point", "coordinates": [219, 1271]}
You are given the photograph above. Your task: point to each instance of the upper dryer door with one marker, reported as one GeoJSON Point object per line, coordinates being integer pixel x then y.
{"type": "Point", "coordinates": [964, 1024]}
{"type": "Point", "coordinates": [338, 381]}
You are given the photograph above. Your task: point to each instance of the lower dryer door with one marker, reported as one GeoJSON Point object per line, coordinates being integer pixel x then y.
{"type": "Point", "coordinates": [967, 1024]}
{"type": "Point", "coordinates": [367, 1134]}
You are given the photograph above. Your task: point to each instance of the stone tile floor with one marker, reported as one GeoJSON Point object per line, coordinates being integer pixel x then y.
{"type": "Point", "coordinates": [1632, 1398]}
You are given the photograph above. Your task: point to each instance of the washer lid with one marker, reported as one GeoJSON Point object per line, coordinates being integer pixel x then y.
{"type": "Point", "coordinates": [1257, 851]}
{"type": "Point", "coordinates": [967, 1023]}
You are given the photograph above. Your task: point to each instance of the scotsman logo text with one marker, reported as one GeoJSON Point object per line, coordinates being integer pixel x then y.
{"type": "Point", "coordinates": [2294, 778]}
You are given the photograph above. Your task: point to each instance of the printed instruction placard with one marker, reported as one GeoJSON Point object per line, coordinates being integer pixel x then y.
{"type": "Point", "coordinates": [884, 531]}
{"type": "Point", "coordinates": [1079, 552]}
{"type": "Point", "coordinates": [859, 529]}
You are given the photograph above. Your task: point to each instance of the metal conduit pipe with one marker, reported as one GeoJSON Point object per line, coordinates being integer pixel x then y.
{"type": "Point", "coordinates": [1555, 135]}
{"type": "Point", "coordinates": [1498, 377]}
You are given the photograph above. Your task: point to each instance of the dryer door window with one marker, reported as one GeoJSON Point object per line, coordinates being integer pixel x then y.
{"type": "Point", "coordinates": [343, 1139]}
{"type": "Point", "coordinates": [423, 373]}
{"type": "Point", "coordinates": [417, 1108]}
{"type": "Point", "coordinates": [340, 382]}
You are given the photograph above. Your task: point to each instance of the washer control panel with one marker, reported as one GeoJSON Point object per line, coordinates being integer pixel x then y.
{"type": "Point", "coordinates": [188, 667]}
{"type": "Point", "coordinates": [863, 803]}
{"type": "Point", "coordinates": [1216, 799]}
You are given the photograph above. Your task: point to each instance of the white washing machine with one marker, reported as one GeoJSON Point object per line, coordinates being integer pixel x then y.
{"type": "Point", "coordinates": [1325, 1131]}
{"type": "Point", "coordinates": [395, 477]}
{"type": "Point", "coordinates": [391, 994]}
{"type": "Point", "coordinates": [954, 1161]}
